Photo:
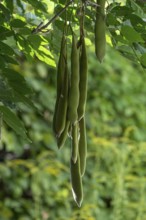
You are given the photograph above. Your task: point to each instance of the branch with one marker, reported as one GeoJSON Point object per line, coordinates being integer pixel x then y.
{"type": "Point", "coordinates": [39, 28]}
{"type": "Point", "coordinates": [87, 2]}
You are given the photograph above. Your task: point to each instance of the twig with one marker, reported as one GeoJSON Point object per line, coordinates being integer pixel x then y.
{"type": "Point", "coordinates": [82, 12]}
{"type": "Point", "coordinates": [91, 3]}
{"type": "Point", "coordinates": [39, 28]}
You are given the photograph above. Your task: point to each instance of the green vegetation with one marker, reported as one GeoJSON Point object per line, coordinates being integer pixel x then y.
{"type": "Point", "coordinates": [34, 174]}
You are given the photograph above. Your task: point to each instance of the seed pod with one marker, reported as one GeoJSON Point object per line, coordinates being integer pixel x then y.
{"type": "Point", "coordinates": [100, 38]}
{"type": "Point", "coordinates": [82, 145]}
{"type": "Point", "coordinates": [62, 105]}
{"type": "Point", "coordinates": [76, 181]}
{"type": "Point", "coordinates": [61, 140]}
{"type": "Point", "coordinates": [54, 116]}
{"type": "Point", "coordinates": [61, 65]}
{"type": "Point", "coordinates": [83, 81]}
{"type": "Point", "coordinates": [74, 142]}
{"type": "Point", "coordinates": [74, 87]}
{"type": "Point", "coordinates": [60, 77]}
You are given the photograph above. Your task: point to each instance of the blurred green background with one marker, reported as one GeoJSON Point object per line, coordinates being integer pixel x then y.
{"type": "Point", "coordinates": [35, 176]}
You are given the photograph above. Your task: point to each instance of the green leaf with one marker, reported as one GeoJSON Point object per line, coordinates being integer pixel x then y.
{"type": "Point", "coordinates": [127, 52]}
{"type": "Point", "coordinates": [62, 2]}
{"type": "Point", "coordinates": [137, 9]}
{"type": "Point", "coordinates": [24, 46]}
{"type": "Point", "coordinates": [6, 12]}
{"type": "Point", "coordinates": [21, 5]}
{"type": "Point", "coordinates": [37, 5]}
{"type": "Point", "coordinates": [137, 22]}
{"type": "Point", "coordinates": [5, 49]}
{"type": "Point", "coordinates": [25, 100]}
{"type": "Point", "coordinates": [35, 40]}
{"type": "Point", "coordinates": [6, 94]}
{"type": "Point", "coordinates": [121, 11]}
{"type": "Point", "coordinates": [17, 23]}
{"type": "Point", "coordinates": [8, 59]}
{"type": "Point", "coordinates": [59, 24]}
{"type": "Point", "coordinates": [16, 81]}
{"type": "Point", "coordinates": [24, 31]}
{"type": "Point", "coordinates": [143, 59]}
{"type": "Point", "coordinates": [130, 34]}
{"type": "Point", "coordinates": [13, 121]}
{"type": "Point", "coordinates": [5, 32]}
{"type": "Point", "coordinates": [120, 38]}
{"type": "Point", "coordinates": [140, 48]}
{"type": "Point", "coordinates": [2, 19]}
{"type": "Point", "coordinates": [46, 56]}
{"type": "Point", "coordinates": [9, 5]}
{"type": "Point", "coordinates": [46, 51]}
{"type": "Point", "coordinates": [111, 20]}
{"type": "Point", "coordinates": [2, 62]}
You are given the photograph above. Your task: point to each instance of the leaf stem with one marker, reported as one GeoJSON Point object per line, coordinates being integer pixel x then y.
{"type": "Point", "coordinates": [39, 28]}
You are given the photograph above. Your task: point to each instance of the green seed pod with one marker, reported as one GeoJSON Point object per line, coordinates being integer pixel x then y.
{"type": "Point", "coordinates": [60, 78]}
{"type": "Point", "coordinates": [54, 116]}
{"type": "Point", "coordinates": [74, 142]}
{"type": "Point", "coordinates": [62, 105]}
{"type": "Point", "coordinates": [82, 145]}
{"type": "Point", "coordinates": [76, 181]}
{"type": "Point", "coordinates": [61, 140]}
{"type": "Point", "coordinates": [73, 100]}
{"type": "Point", "coordinates": [70, 131]}
{"type": "Point", "coordinates": [100, 38]}
{"type": "Point", "coordinates": [61, 65]}
{"type": "Point", "coordinates": [83, 81]}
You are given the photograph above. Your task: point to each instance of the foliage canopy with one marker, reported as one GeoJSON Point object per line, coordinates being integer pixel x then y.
{"type": "Point", "coordinates": [27, 75]}
{"type": "Point", "coordinates": [126, 32]}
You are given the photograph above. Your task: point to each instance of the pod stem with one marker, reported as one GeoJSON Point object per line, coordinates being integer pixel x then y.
{"type": "Point", "coordinates": [82, 12]}
{"type": "Point", "coordinates": [82, 16]}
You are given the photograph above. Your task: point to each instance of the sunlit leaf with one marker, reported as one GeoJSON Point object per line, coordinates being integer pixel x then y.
{"type": "Point", "coordinates": [46, 56]}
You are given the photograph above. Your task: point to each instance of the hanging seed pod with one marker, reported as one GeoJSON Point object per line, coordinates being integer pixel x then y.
{"type": "Point", "coordinates": [61, 112]}
{"type": "Point", "coordinates": [74, 84]}
{"type": "Point", "coordinates": [83, 80]}
{"type": "Point", "coordinates": [74, 142]}
{"type": "Point", "coordinates": [82, 145]}
{"type": "Point", "coordinates": [76, 181]}
{"type": "Point", "coordinates": [60, 78]}
{"type": "Point", "coordinates": [62, 138]}
{"type": "Point", "coordinates": [100, 38]}
{"type": "Point", "coordinates": [61, 65]}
